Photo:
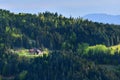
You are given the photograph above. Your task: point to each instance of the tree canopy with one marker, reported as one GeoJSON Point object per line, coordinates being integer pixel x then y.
{"type": "Point", "coordinates": [79, 49]}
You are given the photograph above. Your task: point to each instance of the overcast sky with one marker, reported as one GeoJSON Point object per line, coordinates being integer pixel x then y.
{"type": "Point", "coordinates": [74, 8]}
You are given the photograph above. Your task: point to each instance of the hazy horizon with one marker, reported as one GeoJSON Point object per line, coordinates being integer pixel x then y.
{"type": "Point", "coordinates": [74, 8]}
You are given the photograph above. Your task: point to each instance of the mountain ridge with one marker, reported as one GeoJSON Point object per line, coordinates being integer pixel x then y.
{"type": "Point", "coordinates": [103, 18]}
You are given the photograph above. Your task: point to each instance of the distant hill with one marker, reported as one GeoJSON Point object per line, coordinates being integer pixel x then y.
{"type": "Point", "coordinates": [103, 18]}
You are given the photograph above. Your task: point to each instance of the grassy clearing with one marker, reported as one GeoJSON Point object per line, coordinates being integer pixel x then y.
{"type": "Point", "coordinates": [103, 49]}
{"type": "Point", "coordinates": [26, 53]}
{"type": "Point", "coordinates": [113, 49]}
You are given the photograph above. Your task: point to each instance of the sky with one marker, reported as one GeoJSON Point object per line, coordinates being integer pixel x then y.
{"type": "Point", "coordinates": [74, 8]}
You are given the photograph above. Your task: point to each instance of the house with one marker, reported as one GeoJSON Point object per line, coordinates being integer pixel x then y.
{"type": "Point", "coordinates": [35, 51]}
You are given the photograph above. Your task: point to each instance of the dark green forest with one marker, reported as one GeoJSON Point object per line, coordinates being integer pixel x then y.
{"type": "Point", "coordinates": [66, 38]}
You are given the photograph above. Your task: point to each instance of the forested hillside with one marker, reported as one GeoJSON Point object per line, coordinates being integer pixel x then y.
{"type": "Point", "coordinates": [53, 31]}
{"type": "Point", "coordinates": [71, 41]}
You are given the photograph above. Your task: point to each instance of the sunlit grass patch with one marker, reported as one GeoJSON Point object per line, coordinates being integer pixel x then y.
{"type": "Point", "coordinates": [114, 49]}
{"type": "Point", "coordinates": [26, 53]}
